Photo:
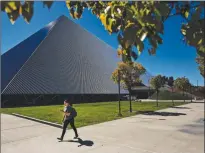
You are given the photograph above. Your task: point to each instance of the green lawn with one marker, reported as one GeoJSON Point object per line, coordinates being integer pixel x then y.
{"type": "Point", "coordinates": [89, 113]}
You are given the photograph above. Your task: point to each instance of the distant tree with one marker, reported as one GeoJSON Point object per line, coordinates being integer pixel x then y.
{"type": "Point", "coordinates": [132, 21]}
{"type": "Point", "coordinates": [182, 84]}
{"type": "Point", "coordinates": [164, 80]}
{"type": "Point", "coordinates": [130, 76]}
{"type": "Point", "coordinates": [157, 82]}
{"type": "Point", "coordinates": [170, 82]}
{"type": "Point", "coordinates": [198, 91]}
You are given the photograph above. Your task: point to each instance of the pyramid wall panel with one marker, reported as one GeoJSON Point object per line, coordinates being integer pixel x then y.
{"type": "Point", "coordinates": [14, 59]}
{"type": "Point", "coordinates": [69, 61]}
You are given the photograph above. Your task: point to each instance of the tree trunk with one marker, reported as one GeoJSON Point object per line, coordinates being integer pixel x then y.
{"type": "Point", "coordinates": [184, 96]}
{"type": "Point", "coordinates": [172, 97]}
{"type": "Point", "coordinates": [157, 98]}
{"type": "Point", "coordinates": [130, 101]}
{"type": "Point", "coordinates": [191, 93]}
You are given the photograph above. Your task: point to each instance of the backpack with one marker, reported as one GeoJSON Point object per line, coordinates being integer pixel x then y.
{"type": "Point", "coordinates": [74, 113]}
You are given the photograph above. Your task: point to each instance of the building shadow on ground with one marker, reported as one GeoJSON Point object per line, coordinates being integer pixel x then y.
{"type": "Point", "coordinates": [178, 107]}
{"type": "Point", "coordinates": [194, 129]}
{"type": "Point", "coordinates": [81, 142]}
{"type": "Point", "coordinates": [159, 113]}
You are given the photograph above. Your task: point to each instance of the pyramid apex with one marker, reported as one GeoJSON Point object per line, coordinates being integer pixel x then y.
{"type": "Point", "coordinates": [62, 17]}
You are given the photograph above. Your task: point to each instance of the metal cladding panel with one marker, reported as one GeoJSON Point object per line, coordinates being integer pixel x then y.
{"type": "Point", "coordinates": [14, 59]}
{"type": "Point", "coordinates": [69, 61]}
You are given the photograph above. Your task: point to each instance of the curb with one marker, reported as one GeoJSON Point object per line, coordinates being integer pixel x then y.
{"type": "Point", "coordinates": [37, 120]}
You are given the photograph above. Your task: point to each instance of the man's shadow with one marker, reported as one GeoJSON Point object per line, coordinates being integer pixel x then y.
{"type": "Point", "coordinates": [81, 142]}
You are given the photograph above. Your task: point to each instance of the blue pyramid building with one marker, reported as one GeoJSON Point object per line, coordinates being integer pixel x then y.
{"type": "Point", "coordinates": [60, 59]}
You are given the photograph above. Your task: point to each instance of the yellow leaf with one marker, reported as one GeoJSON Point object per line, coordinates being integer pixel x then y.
{"type": "Point", "coordinates": [27, 9]}
{"type": "Point", "coordinates": [109, 26]}
{"type": "Point", "coordinates": [103, 19]}
{"type": "Point", "coordinates": [124, 52]}
{"type": "Point", "coordinates": [119, 52]}
{"type": "Point", "coordinates": [12, 5]}
{"type": "Point", "coordinates": [68, 4]}
{"type": "Point", "coordinates": [147, 11]}
{"type": "Point", "coordinates": [200, 41]}
{"type": "Point", "coordinates": [186, 14]}
{"type": "Point", "coordinates": [110, 4]}
{"type": "Point", "coordinates": [7, 10]}
{"type": "Point", "coordinates": [183, 32]}
{"type": "Point", "coordinates": [75, 14]}
{"type": "Point", "coordinates": [129, 24]}
{"type": "Point", "coordinates": [20, 10]}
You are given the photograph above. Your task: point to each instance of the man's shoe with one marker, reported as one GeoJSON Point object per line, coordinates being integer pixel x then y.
{"type": "Point", "coordinates": [60, 139]}
{"type": "Point", "coordinates": [76, 137]}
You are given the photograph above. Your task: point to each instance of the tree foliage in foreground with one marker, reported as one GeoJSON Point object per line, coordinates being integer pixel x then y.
{"type": "Point", "coordinates": [132, 21]}
{"type": "Point", "coordinates": [129, 76]}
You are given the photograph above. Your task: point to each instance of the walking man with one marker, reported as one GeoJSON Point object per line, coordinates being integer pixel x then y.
{"type": "Point", "coordinates": [69, 115]}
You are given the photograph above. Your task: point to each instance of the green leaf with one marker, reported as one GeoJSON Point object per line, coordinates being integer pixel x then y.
{"type": "Point", "coordinates": [153, 42]}
{"type": "Point", "coordinates": [3, 5]}
{"type": "Point", "coordinates": [119, 38]}
{"type": "Point", "coordinates": [196, 15]}
{"type": "Point", "coordinates": [140, 45]}
{"type": "Point", "coordinates": [159, 39]}
{"type": "Point", "coordinates": [163, 8]}
{"type": "Point", "coordinates": [48, 4]}
{"type": "Point", "coordinates": [128, 43]}
{"type": "Point", "coordinates": [158, 14]}
{"type": "Point", "coordinates": [134, 55]}
{"type": "Point", "coordinates": [27, 11]}
{"type": "Point", "coordinates": [201, 50]}
{"type": "Point", "coordinates": [130, 36]}
{"type": "Point", "coordinates": [152, 51]}
{"type": "Point", "coordinates": [12, 8]}
{"type": "Point", "coordinates": [160, 27]}
{"type": "Point", "coordinates": [13, 16]}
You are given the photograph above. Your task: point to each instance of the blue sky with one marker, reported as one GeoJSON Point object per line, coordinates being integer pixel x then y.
{"type": "Point", "coordinates": [173, 57]}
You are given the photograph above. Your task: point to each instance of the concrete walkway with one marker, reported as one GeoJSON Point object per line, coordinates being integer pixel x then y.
{"type": "Point", "coordinates": [180, 132]}
{"type": "Point", "coordinates": [176, 101]}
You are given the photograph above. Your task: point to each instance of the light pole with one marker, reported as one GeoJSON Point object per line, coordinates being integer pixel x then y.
{"type": "Point", "coordinates": [183, 91]}
{"type": "Point", "coordinates": [130, 88]}
{"type": "Point", "coordinates": [197, 85]}
{"type": "Point", "coordinates": [197, 88]}
{"type": "Point", "coordinates": [149, 88]}
{"type": "Point", "coordinates": [191, 92]}
{"type": "Point", "coordinates": [119, 107]}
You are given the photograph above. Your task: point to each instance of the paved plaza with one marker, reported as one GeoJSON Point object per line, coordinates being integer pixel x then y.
{"type": "Point", "coordinates": [172, 130]}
